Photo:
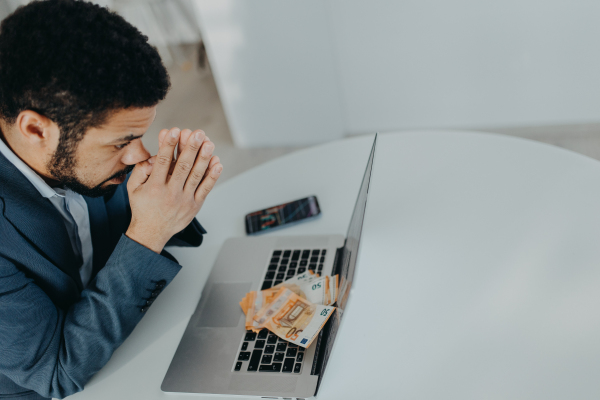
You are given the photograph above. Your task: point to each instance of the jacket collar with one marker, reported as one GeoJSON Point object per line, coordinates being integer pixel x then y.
{"type": "Point", "coordinates": [36, 219]}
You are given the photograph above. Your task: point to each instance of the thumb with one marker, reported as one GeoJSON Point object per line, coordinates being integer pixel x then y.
{"type": "Point", "coordinates": [140, 174]}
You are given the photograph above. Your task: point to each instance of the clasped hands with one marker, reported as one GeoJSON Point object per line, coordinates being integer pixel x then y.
{"type": "Point", "coordinates": [167, 191]}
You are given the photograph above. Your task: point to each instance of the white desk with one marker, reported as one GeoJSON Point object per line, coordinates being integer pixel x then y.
{"type": "Point", "coordinates": [491, 245]}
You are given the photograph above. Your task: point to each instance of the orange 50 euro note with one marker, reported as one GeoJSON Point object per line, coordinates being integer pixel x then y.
{"type": "Point", "coordinates": [293, 318]}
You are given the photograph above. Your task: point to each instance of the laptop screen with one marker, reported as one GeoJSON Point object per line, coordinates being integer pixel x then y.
{"type": "Point", "coordinates": [345, 268]}
{"type": "Point", "coordinates": [350, 250]}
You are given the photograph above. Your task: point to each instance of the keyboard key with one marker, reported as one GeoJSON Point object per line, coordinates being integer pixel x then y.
{"type": "Point", "coordinates": [287, 253]}
{"type": "Point", "coordinates": [300, 357]}
{"type": "Point", "coordinates": [285, 261]}
{"type": "Point", "coordinates": [263, 334]}
{"type": "Point", "coordinates": [266, 285]}
{"type": "Point", "coordinates": [292, 345]}
{"type": "Point", "coordinates": [295, 255]}
{"type": "Point", "coordinates": [292, 271]}
{"type": "Point", "coordinates": [238, 365]}
{"type": "Point", "coordinates": [272, 339]}
{"type": "Point", "coordinates": [275, 260]}
{"type": "Point", "coordinates": [281, 346]}
{"type": "Point", "coordinates": [316, 252]}
{"type": "Point", "coordinates": [244, 356]}
{"type": "Point", "coordinates": [290, 352]}
{"type": "Point", "coordinates": [259, 344]}
{"type": "Point", "coordinates": [280, 275]}
{"type": "Point", "coordinates": [305, 254]}
{"type": "Point", "coordinates": [266, 368]}
{"type": "Point", "coordinates": [276, 367]}
{"type": "Point", "coordinates": [282, 268]}
{"type": "Point", "coordinates": [314, 259]}
{"type": "Point", "coordinates": [322, 259]}
{"type": "Point", "coordinates": [288, 365]}
{"type": "Point", "coordinates": [323, 252]}
{"type": "Point", "coordinates": [266, 359]}
{"type": "Point", "coordinates": [250, 336]}
{"type": "Point", "coordinates": [312, 267]}
{"type": "Point", "coordinates": [270, 349]}
{"type": "Point", "coordinates": [277, 253]}
{"type": "Point", "coordinates": [297, 368]}
{"type": "Point", "coordinates": [301, 270]}
{"type": "Point", "coordinates": [300, 348]}
{"type": "Point", "coordinates": [278, 356]}
{"type": "Point", "coordinates": [277, 282]}
{"type": "Point", "coordinates": [244, 346]}
{"type": "Point", "coordinates": [255, 360]}
{"type": "Point", "coordinates": [272, 267]}
{"type": "Point", "coordinates": [293, 264]}
{"type": "Point", "coordinates": [270, 275]}
{"type": "Point", "coordinates": [303, 263]}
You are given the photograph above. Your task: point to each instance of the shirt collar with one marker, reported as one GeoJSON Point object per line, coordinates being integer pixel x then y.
{"type": "Point", "coordinates": [41, 186]}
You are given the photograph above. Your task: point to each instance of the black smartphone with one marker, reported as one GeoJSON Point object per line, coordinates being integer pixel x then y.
{"type": "Point", "coordinates": [282, 215]}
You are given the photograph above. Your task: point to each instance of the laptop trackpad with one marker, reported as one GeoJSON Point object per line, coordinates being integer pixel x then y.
{"type": "Point", "coordinates": [222, 308]}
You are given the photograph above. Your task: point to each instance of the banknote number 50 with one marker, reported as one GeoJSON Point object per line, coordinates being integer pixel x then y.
{"type": "Point", "coordinates": [293, 334]}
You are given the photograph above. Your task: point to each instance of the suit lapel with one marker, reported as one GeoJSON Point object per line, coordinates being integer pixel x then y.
{"type": "Point", "coordinates": [101, 239]}
{"type": "Point", "coordinates": [36, 219]}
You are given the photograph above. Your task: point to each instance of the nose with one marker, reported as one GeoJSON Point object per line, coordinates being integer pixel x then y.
{"type": "Point", "coordinates": [135, 153]}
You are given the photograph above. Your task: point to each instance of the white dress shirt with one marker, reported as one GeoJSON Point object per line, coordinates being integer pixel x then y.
{"type": "Point", "coordinates": [71, 206]}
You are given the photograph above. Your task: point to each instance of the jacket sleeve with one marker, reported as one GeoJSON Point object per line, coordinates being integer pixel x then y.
{"type": "Point", "coordinates": [55, 352]}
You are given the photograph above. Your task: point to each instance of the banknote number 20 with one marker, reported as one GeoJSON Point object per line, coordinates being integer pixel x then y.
{"type": "Point", "coordinates": [293, 334]}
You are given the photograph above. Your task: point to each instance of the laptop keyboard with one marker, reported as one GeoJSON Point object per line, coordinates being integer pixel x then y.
{"type": "Point", "coordinates": [264, 351]}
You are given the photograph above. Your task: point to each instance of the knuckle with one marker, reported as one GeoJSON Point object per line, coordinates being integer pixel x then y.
{"type": "Point", "coordinates": [205, 190]}
{"type": "Point", "coordinates": [197, 175]}
{"type": "Point", "coordinates": [193, 146]}
{"type": "Point", "coordinates": [184, 165]}
{"type": "Point", "coordinates": [163, 160]}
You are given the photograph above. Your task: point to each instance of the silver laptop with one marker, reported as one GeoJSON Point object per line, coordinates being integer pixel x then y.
{"type": "Point", "coordinates": [217, 355]}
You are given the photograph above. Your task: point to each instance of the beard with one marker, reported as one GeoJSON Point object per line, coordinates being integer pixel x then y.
{"type": "Point", "coordinates": [62, 166]}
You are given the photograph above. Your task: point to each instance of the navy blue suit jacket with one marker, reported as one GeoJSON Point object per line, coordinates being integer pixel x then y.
{"type": "Point", "coordinates": [55, 335]}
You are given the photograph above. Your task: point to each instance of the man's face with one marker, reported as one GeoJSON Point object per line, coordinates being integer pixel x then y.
{"type": "Point", "coordinates": [106, 154]}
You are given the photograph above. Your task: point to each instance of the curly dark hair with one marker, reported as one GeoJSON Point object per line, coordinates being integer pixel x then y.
{"type": "Point", "coordinates": [75, 62]}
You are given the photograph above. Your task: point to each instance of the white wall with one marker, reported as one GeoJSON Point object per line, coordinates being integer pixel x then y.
{"type": "Point", "coordinates": [274, 69]}
{"type": "Point", "coordinates": [300, 72]}
{"type": "Point", "coordinates": [467, 63]}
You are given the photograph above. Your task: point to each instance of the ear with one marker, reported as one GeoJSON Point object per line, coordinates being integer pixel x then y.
{"type": "Point", "coordinates": [36, 129]}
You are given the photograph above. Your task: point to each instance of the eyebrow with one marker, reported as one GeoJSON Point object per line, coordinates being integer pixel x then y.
{"type": "Point", "coordinates": [127, 138]}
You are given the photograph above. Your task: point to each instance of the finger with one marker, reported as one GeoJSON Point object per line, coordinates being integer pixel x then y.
{"type": "Point", "coordinates": [208, 183]}
{"type": "Point", "coordinates": [183, 139]}
{"type": "Point", "coordinates": [213, 161]}
{"type": "Point", "coordinates": [140, 174]}
{"type": "Point", "coordinates": [161, 135]}
{"type": "Point", "coordinates": [186, 161]}
{"type": "Point", "coordinates": [165, 156]}
{"type": "Point", "coordinates": [199, 168]}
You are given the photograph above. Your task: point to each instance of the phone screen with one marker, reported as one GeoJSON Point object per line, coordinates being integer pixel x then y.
{"type": "Point", "coordinates": [282, 214]}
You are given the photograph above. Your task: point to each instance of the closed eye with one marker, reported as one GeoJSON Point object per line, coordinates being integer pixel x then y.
{"type": "Point", "coordinates": [121, 146]}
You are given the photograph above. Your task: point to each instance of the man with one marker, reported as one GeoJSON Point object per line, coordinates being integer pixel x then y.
{"type": "Point", "coordinates": [81, 242]}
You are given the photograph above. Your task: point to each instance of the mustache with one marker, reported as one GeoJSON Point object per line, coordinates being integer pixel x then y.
{"type": "Point", "coordinates": [119, 174]}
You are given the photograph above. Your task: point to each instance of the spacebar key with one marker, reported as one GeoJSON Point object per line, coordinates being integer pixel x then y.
{"type": "Point", "coordinates": [254, 360]}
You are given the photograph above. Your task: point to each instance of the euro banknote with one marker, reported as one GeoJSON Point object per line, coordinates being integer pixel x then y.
{"type": "Point", "coordinates": [293, 318]}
